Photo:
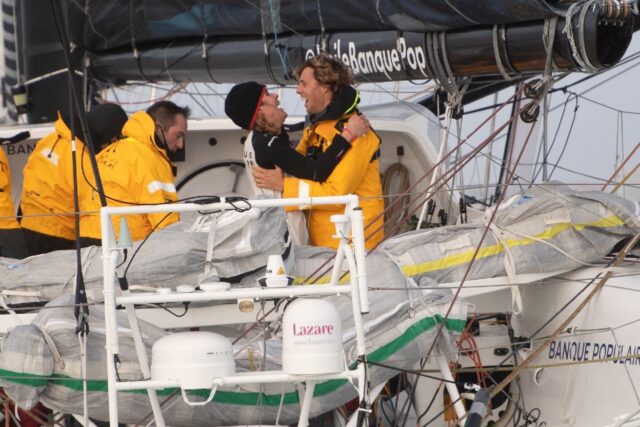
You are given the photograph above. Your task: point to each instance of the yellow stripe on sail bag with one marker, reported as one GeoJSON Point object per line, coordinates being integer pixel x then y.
{"type": "Point", "coordinates": [487, 251]}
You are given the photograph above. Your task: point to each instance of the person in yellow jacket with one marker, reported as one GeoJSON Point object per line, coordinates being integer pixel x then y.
{"type": "Point", "coordinates": [47, 203]}
{"type": "Point", "coordinates": [137, 170]}
{"type": "Point", "coordinates": [320, 79]}
{"type": "Point", "coordinates": [11, 239]}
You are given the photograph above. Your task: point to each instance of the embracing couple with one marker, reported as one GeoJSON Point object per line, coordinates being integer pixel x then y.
{"type": "Point", "coordinates": [337, 155]}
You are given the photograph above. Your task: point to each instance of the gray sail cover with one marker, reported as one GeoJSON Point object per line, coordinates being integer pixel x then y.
{"type": "Point", "coordinates": [172, 256]}
{"type": "Point", "coordinates": [549, 228]}
{"type": "Point", "coordinates": [121, 23]}
{"type": "Point", "coordinates": [41, 361]}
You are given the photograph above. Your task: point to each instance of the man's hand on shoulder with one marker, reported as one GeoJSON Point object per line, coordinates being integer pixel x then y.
{"type": "Point", "coordinates": [271, 179]}
{"type": "Point", "coordinates": [356, 126]}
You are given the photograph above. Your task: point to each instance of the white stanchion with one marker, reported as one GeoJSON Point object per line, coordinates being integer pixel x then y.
{"type": "Point", "coordinates": [355, 257]}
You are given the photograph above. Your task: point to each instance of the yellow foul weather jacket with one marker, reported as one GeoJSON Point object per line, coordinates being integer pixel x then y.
{"type": "Point", "coordinates": [357, 173]}
{"type": "Point", "coordinates": [134, 171]}
{"type": "Point", "coordinates": [7, 210]}
{"type": "Point", "coordinates": [47, 187]}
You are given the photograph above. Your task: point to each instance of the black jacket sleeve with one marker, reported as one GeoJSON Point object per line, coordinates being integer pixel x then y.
{"type": "Point", "coordinates": [315, 169]}
{"type": "Point", "coordinates": [264, 154]}
{"type": "Point", "coordinates": [277, 150]}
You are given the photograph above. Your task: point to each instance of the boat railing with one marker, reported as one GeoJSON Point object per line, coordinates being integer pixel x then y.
{"type": "Point", "coordinates": [351, 249]}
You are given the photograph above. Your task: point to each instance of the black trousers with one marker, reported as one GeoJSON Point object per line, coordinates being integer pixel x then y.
{"type": "Point", "coordinates": [12, 243]}
{"type": "Point", "coordinates": [39, 243]}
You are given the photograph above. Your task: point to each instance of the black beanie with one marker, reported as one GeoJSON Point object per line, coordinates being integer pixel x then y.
{"type": "Point", "coordinates": [105, 124]}
{"type": "Point", "coordinates": [66, 118]}
{"type": "Point", "coordinates": [243, 102]}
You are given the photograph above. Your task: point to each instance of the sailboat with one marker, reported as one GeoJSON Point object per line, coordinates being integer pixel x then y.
{"type": "Point", "coordinates": [468, 49]}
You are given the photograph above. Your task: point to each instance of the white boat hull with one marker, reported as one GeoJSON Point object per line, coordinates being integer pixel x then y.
{"type": "Point", "coordinates": [591, 375]}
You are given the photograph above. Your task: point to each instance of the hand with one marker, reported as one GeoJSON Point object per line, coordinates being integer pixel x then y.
{"type": "Point", "coordinates": [272, 179]}
{"type": "Point", "coordinates": [357, 125]}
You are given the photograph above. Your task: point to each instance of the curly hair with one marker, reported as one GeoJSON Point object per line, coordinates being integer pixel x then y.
{"type": "Point", "coordinates": [263, 125]}
{"type": "Point", "coordinates": [328, 70]}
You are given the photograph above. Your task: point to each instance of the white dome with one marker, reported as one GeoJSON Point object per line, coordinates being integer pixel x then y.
{"type": "Point", "coordinates": [312, 338]}
{"type": "Point", "coordinates": [194, 359]}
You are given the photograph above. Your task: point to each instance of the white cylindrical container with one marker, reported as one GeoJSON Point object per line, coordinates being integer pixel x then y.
{"type": "Point", "coordinates": [275, 274]}
{"type": "Point", "coordinates": [275, 266]}
{"type": "Point", "coordinates": [312, 338]}
{"type": "Point", "coordinates": [194, 359]}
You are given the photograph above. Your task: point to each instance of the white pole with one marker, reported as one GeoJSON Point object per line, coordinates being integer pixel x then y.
{"type": "Point", "coordinates": [436, 171]}
{"type": "Point", "coordinates": [355, 302]}
{"type": "Point", "coordinates": [487, 171]}
{"type": "Point", "coordinates": [82, 340]}
{"type": "Point", "coordinates": [357, 323]}
{"type": "Point", "coordinates": [451, 388]}
{"type": "Point", "coordinates": [337, 265]}
{"type": "Point", "coordinates": [357, 228]}
{"type": "Point", "coordinates": [358, 290]}
{"type": "Point", "coordinates": [143, 362]}
{"type": "Point", "coordinates": [305, 409]}
{"type": "Point", "coordinates": [109, 262]}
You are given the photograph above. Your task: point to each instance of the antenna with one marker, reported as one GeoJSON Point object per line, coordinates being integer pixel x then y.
{"type": "Point", "coordinates": [19, 137]}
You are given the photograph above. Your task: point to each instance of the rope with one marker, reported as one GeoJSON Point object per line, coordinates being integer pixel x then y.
{"type": "Point", "coordinates": [536, 366]}
{"type": "Point", "coordinates": [579, 53]}
{"type": "Point", "coordinates": [445, 61]}
{"type": "Point", "coordinates": [439, 161]}
{"type": "Point", "coordinates": [323, 40]}
{"type": "Point", "coordinates": [395, 177]}
{"type": "Point", "coordinates": [619, 168]}
{"type": "Point", "coordinates": [265, 45]}
{"type": "Point", "coordinates": [497, 51]}
{"type": "Point", "coordinates": [9, 416]}
{"type": "Point", "coordinates": [82, 341]}
{"type": "Point", "coordinates": [461, 14]}
{"type": "Point", "coordinates": [205, 47]}
{"type": "Point", "coordinates": [442, 69]}
{"type": "Point", "coordinates": [134, 48]}
{"type": "Point", "coordinates": [467, 271]}
{"type": "Point", "coordinates": [279, 48]}
{"type": "Point", "coordinates": [466, 159]}
{"type": "Point", "coordinates": [548, 39]}
{"type": "Point", "coordinates": [624, 180]}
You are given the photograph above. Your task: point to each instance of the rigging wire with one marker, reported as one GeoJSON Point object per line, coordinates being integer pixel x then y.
{"type": "Point", "coordinates": [482, 154]}
{"type": "Point", "coordinates": [467, 271]}
{"type": "Point", "coordinates": [323, 42]}
{"type": "Point", "coordinates": [209, 110]}
{"type": "Point", "coordinates": [632, 57]}
{"type": "Point", "coordinates": [178, 84]}
{"type": "Point", "coordinates": [297, 33]}
{"type": "Point", "coordinates": [317, 273]}
{"type": "Point", "coordinates": [553, 141]}
{"type": "Point", "coordinates": [278, 46]}
{"type": "Point", "coordinates": [566, 141]}
{"type": "Point", "coordinates": [620, 166]}
{"type": "Point", "coordinates": [601, 282]}
{"type": "Point", "coordinates": [556, 281]}
{"type": "Point", "coordinates": [485, 155]}
{"type": "Point", "coordinates": [575, 172]}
